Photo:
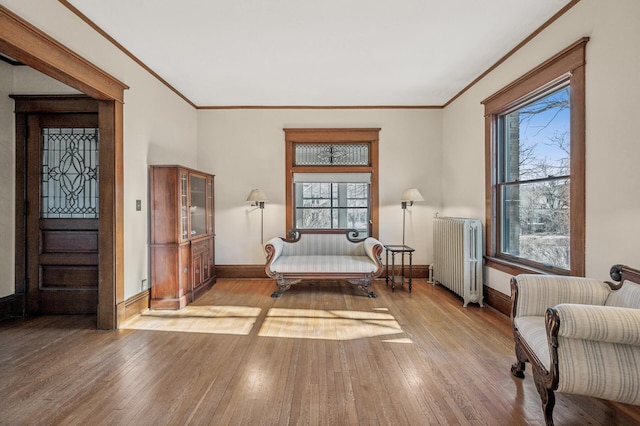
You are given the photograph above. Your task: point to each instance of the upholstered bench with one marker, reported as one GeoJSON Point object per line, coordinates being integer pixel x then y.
{"type": "Point", "coordinates": [581, 335]}
{"type": "Point", "coordinates": [335, 254]}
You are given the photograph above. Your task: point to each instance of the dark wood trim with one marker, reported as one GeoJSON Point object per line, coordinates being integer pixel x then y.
{"type": "Point", "coordinates": [514, 50]}
{"type": "Point", "coordinates": [8, 306]}
{"type": "Point", "coordinates": [320, 107]}
{"type": "Point", "coordinates": [20, 208]}
{"type": "Point", "coordinates": [10, 61]}
{"type": "Point", "coordinates": [30, 46]}
{"type": "Point", "coordinates": [496, 299]}
{"type": "Point", "coordinates": [123, 49]}
{"type": "Point", "coordinates": [568, 64]}
{"type": "Point", "coordinates": [332, 135]}
{"type": "Point", "coordinates": [563, 62]}
{"type": "Point", "coordinates": [135, 305]}
{"type": "Point", "coordinates": [27, 104]}
{"type": "Point", "coordinates": [257, 271]}
{"type": "Point", "coordinates": [240, 271]}
{"type": "Point", "coordinates": [111, 234]}
{"type": "Point", "coordinates": [520, 45]}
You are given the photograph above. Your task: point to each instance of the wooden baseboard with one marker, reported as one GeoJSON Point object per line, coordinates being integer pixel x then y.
{"type": "Point", "coordinates": [497, 300]}
{"type": "Point", "coordinates": [12, 306]}
{"type": "Point", "coordinates": [7, 304]}
{"type": "Point", "coordinates": [257, 271]}
{"type": "Point", "coordinates": [135, 305]}
{"type": "Point", "coordinates": [240, 271]}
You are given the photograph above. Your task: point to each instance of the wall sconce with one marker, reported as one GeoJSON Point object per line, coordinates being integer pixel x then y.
{"type": "Point", "coordinates": [408, 197]}
{"type": "Point", "coordinates": [257, 198]}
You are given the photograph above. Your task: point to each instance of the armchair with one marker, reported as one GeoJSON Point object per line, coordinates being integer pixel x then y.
{"type": "Point", "coordinates": [580, 335]}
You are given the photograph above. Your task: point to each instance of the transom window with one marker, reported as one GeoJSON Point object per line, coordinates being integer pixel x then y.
{"type": "Point", "coordinates": [536, 169]}
{"type": "Point", "coordinates": [332, 179]}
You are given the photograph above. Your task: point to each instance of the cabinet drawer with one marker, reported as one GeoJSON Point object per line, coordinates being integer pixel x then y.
{"type": "Point", "coordinates": [200, 247]}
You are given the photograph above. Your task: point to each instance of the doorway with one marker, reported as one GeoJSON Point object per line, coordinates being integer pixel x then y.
{"type": "Point", "coordinates": [61, 203]}
{"type": "Point", "coordinates": [30, 46]}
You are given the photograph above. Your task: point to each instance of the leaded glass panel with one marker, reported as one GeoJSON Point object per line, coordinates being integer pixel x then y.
{"type": "Point", "coordinates": [323, 154]}
{"type": "Point", "coordinates": [69, 173]}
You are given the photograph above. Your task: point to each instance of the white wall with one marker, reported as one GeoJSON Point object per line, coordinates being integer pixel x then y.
{"type": "Point", "coordinates": [439, 152]}
{"type": "Point", "coordinates": [159, 126]}
{"type": "Point", "coordinates": [612, 150]}
{"type": "Point", "coordinates": [245, 149]}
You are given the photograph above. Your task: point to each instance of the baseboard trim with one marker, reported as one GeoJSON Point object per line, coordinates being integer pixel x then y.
{"type": "Point", "coordinates": [7, 306]}
{"type": "Point", "coordinates": [497, 300]}
{"type": "Point", "coordinates": [137, 304]}
{"type": "Point", "coordinates": [257, 271]}
{"type": "Point", "coordinates": [240, 271]}
{"type": "Point", "coordinates": [12, 306]}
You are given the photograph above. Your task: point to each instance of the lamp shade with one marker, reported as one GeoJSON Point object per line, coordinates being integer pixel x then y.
{"type": "Point", "coordinates": [256, 196]}
{"type": "Point", "coordinates": [411, 194]}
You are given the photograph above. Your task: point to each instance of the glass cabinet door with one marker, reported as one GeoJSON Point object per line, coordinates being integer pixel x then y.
{"type": "Point", "coordinates": [210, 204]}
{"type": "Point", "coordinates": [198, 205]}
{"type": "Point", "coordinates": [184, 206]}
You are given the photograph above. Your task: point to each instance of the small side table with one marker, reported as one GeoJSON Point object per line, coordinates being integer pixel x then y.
{"type": "Point", "coordinates": [395, 249]}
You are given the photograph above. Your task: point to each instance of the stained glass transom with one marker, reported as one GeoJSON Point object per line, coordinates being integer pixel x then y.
{"type": "Point", "coordinates": [69, 173]}
{"type": "Point", "coordinates": [309, 154]}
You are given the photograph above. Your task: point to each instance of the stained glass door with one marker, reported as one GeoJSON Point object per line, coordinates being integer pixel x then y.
{"type": "Point", "coordinates": [62, 213]}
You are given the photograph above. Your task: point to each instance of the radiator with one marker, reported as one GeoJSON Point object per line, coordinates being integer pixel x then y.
{"type": "Point", "coordinates": [457, 257]}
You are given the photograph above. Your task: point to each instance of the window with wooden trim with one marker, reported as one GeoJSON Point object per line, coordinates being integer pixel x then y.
{"type": "Point", "coordinates": [332, 179]}
{"type": "Point", "coordinates": [535, 162]}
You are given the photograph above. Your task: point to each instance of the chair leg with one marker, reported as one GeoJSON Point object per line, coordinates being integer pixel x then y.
{"type": "Point", "coordinates": [517, 369]}
{"type": "Point", "coordinates": [547, 397]}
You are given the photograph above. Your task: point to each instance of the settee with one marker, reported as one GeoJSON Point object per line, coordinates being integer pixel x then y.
{"type": "Point", "coordinates": [323, 254]}
{"type": "Point", "coordinates": [580, 335]}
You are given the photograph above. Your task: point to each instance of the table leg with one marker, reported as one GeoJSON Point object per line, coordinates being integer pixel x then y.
{"type": "Point", "coordinates": [386, 280]}
{"type": "Point", "coordinates": [393, 272]}
{"type": "Point", "coordinates": [410, 271]}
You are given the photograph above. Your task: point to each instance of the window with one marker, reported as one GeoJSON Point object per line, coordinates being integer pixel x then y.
{"type": "Point", "coordinates": [535, 169]}
{"type": "Point", "coordinates": [332, 179]}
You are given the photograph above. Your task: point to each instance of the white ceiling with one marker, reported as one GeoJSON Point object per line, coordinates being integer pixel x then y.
{"type": "Point", "coordinates": [320, 52]}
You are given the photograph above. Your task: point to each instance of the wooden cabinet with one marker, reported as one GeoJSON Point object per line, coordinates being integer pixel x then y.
{"type": "Point", "coordinates": [182, 235]}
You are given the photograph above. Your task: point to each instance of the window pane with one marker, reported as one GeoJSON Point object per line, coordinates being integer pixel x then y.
{"type": "Point", "coordinates": [535, 221]}
{"type": "Point", "coordinates": [332, 206]}
{"type": "Point", "coordinates": [535, 138]}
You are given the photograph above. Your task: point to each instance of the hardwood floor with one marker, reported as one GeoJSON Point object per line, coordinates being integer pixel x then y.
{"type": "Point", "coordinates": [321, 354]}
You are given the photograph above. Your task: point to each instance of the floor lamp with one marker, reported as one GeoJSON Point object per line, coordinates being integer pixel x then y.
{"type": "Point", "coordinates": [257, 198]}
{"type": "Point", "coordinates": [407, 198]}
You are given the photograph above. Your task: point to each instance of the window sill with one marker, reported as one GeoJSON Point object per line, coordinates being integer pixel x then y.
{"type": "Point", "coordinates": [513, 268]}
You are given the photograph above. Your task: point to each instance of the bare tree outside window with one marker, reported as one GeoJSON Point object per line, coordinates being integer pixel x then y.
{"type": "Point", "coordinates": [534, 181]}
{"type": "Point", "coordinates": [332, 205]}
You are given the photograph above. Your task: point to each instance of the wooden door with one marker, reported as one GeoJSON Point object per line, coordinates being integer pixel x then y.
{"type": "Point", "coordinates": [62, 213]}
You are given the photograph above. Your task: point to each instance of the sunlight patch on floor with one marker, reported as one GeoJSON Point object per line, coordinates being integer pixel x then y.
{"type": "Point", "coordinates": [237, 320]}
{"type": "Point", "coordinates": [327, 324]}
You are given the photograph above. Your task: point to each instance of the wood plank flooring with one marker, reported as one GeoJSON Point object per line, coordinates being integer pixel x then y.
{"type": "Point", "coordinates": [322, 354]}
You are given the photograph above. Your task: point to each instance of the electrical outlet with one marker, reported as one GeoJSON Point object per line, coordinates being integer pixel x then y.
{"type": "Point", "coordinates": [138, 205]}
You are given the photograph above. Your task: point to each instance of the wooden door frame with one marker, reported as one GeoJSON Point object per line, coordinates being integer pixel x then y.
{"type": "Point", "coordinates": [27, 44]}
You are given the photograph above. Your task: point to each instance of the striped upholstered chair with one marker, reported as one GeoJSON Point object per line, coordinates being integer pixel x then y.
{"type": "Point", "coordinates": [580, 335]}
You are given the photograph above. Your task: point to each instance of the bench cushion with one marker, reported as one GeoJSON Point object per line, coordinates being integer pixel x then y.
{"type": "Point", "coordinates": [534, 333]}
{"type": "Point", "coordinates": [324, 264]}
